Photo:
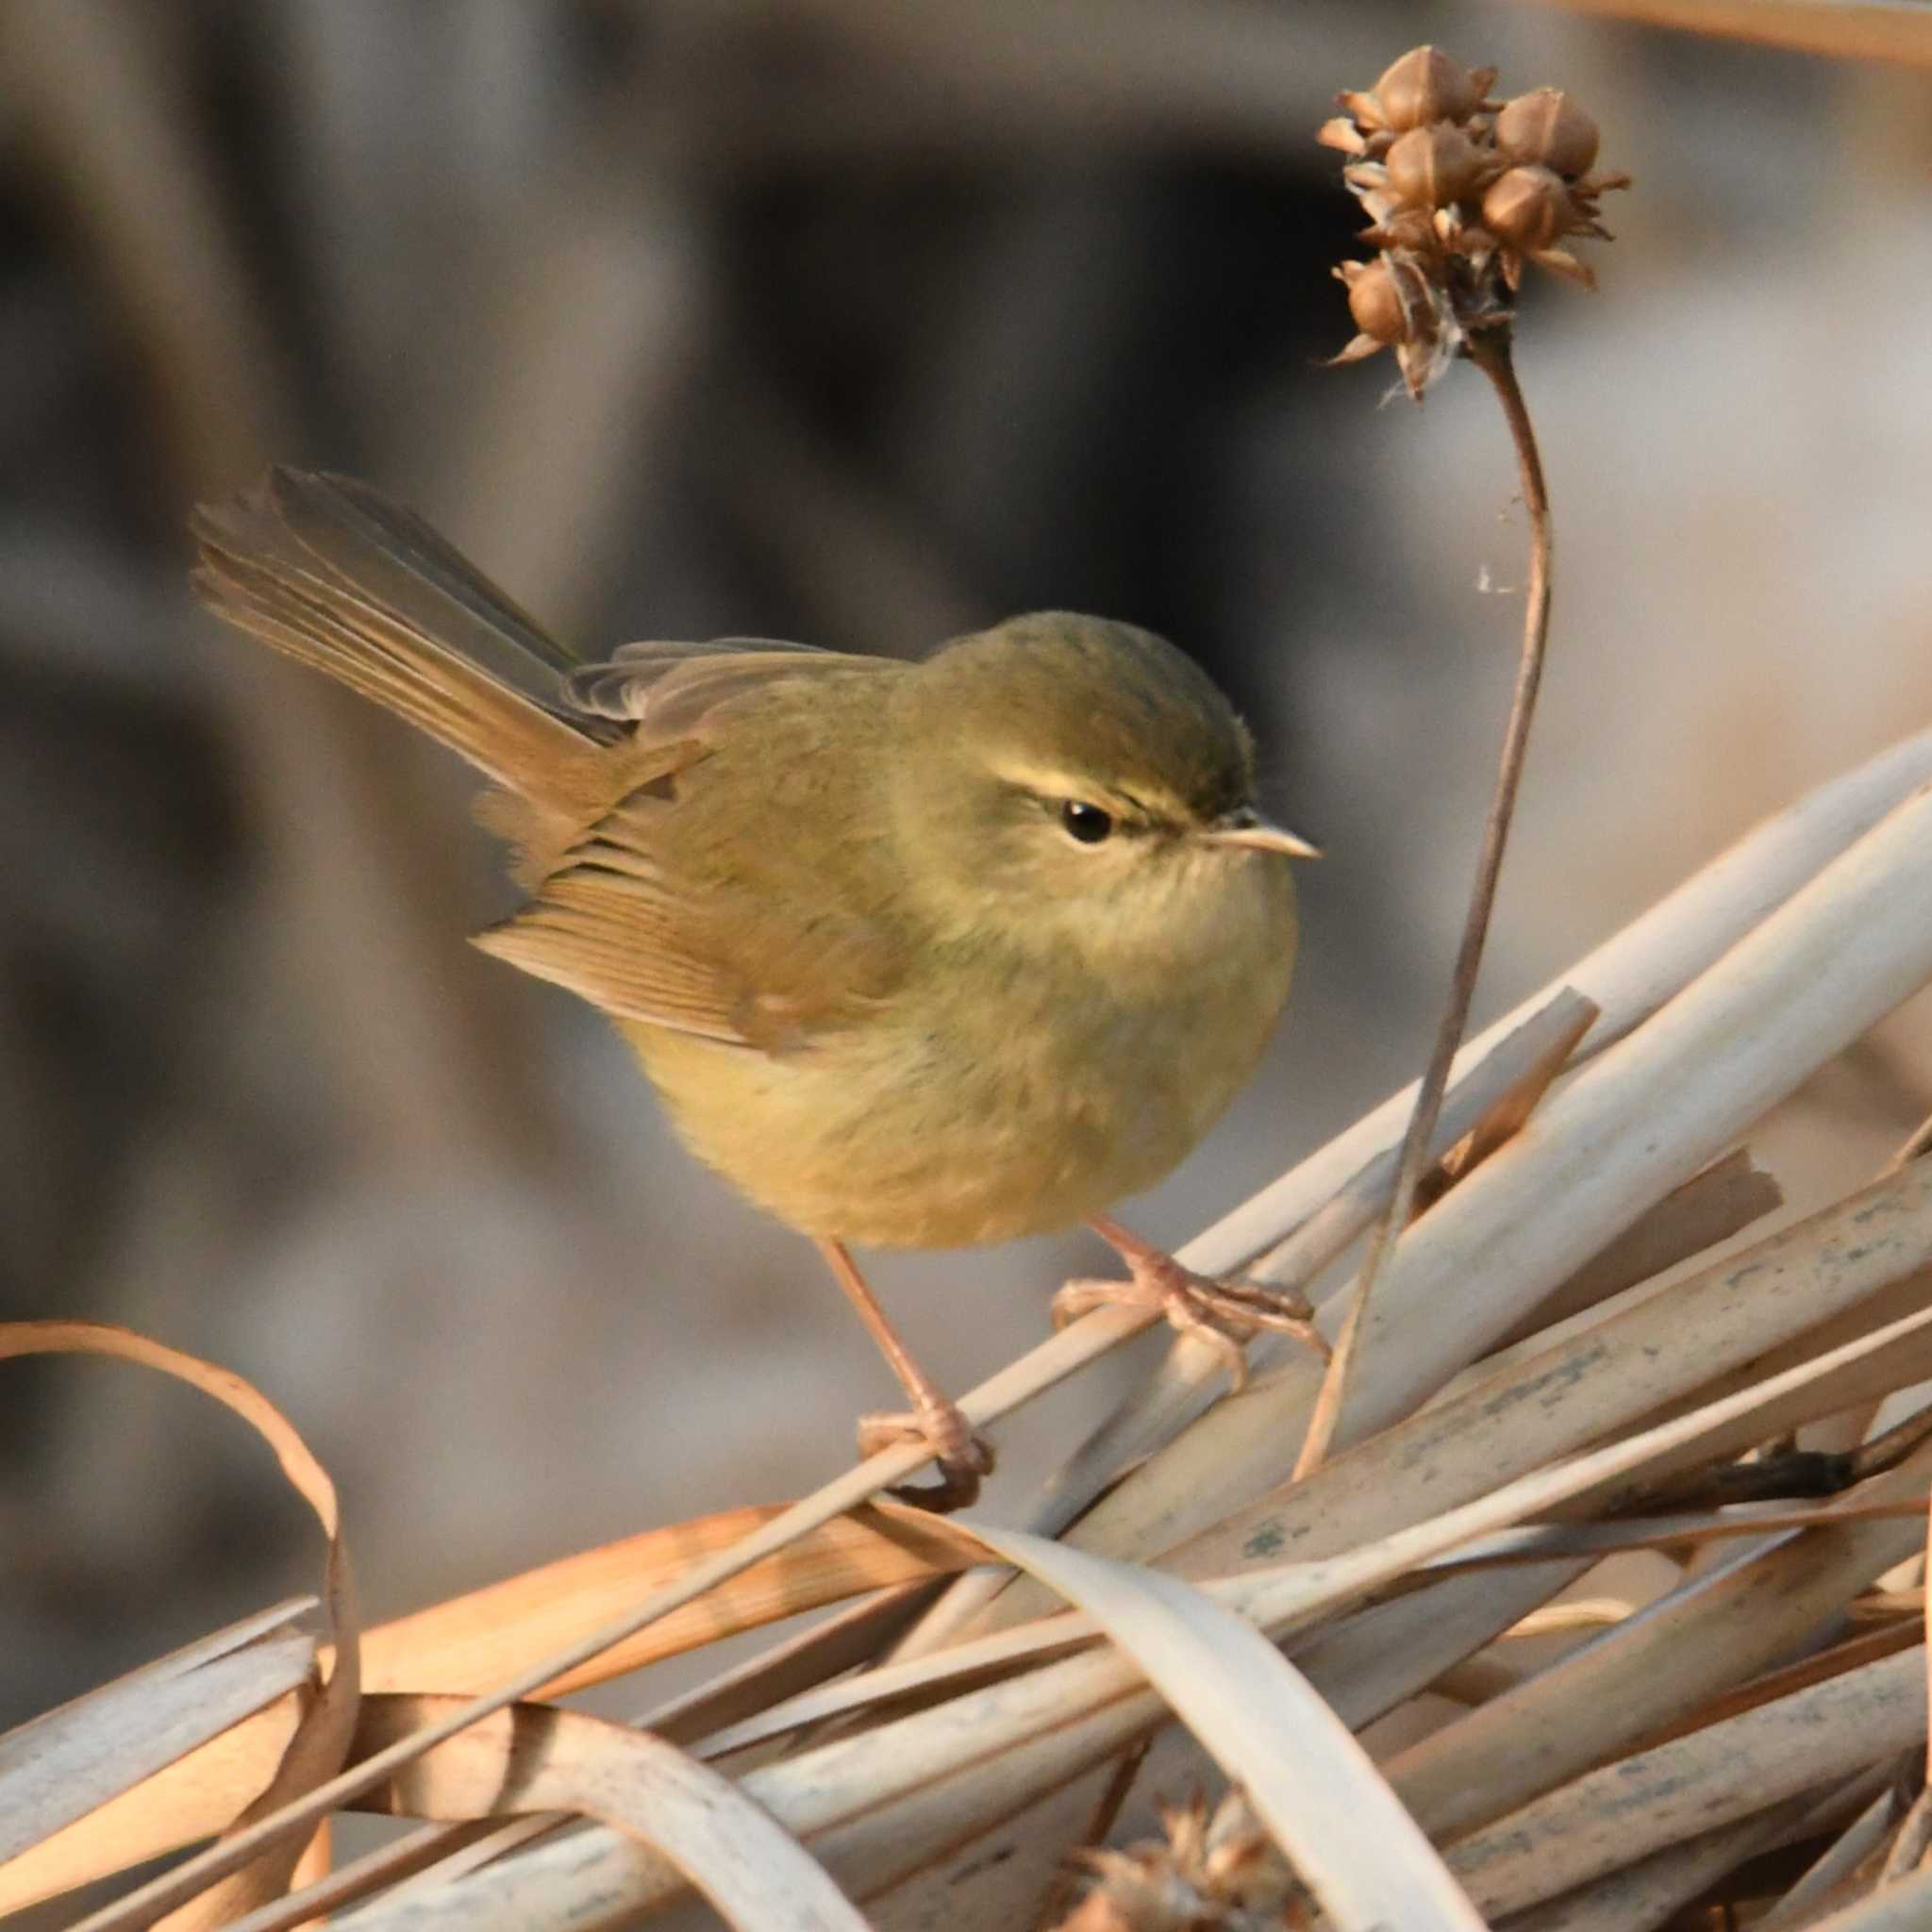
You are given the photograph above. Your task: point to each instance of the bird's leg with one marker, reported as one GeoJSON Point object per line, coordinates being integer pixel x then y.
{"type": "Point", "coordinates": [934, 1419]}
{"type": "Point", "coordinates": [1226, 1314]}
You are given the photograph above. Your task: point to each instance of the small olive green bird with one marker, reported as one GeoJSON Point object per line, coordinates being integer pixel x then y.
{"type": "Point", "coordinates": [918, 955]}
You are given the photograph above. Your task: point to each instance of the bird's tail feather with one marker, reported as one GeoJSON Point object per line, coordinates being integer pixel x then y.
{"type": "Point", "coordinates": [326, 571]}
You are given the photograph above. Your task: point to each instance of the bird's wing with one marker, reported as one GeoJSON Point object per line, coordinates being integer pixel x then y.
{"type": "Point", "coordinates": [659, 912]}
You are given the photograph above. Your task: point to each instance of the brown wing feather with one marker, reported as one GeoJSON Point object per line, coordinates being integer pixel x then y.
{"type": "Point", "coordinates": [747, 952]}
{"type": "Point", "coordinates": [591, 759]}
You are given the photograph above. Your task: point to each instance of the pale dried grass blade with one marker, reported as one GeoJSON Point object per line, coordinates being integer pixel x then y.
{"type": "Point", "coordinates": [1307, 1778]}
{"type": "Point", "coordinates": [1628, 977]}
{"type": "Point", "coordinates": [1854, 1653]}
{"type": "Point", "coordinates": [1641, 1896]}
{"type": "Point", "coordinates": [57, 1767]}
{"type": "Point", "coordinates": [1541, 1542]}
{"type": "Point", "coordinates": [1504, 1118]}
{"type": "Point", "coordinates": [883, 1806]}
{"type": "Point", "coordinates": [197, 1796]}
{"type": "Point", "coordinates": [1019, 1382]}
{"type": "Point", "coordinates": [315, 1749]}
{"type": "Point", "coordinates": [1644, 1117]}
{"type": "Point", "coordinates": [1518, 1065]}
{"type": "Point", "coordinates": [1709, 1208]}
{"type": "Point", "coordinates": [1906, 1907]}
{"type": "Point", "coordinates": [793, 1668]}
{"type": "Point", "coordinates": [1857, 1842]}
{"type": "Point", "coordinates": [1650, 1112]}
{"type": "Point", "coordinates": [477, 1639]}
{"type": "Point", "coordinates": [1363, 1666]}
{"type": "Point", "coordinates": [1603, 1378]}
{"type": "Point", "coordinates": [1715, 1629]}
{"type": "Point", "coordinates": [1509, 1077]}
{"type": "Point", "coordinates": [534, 1758]}
{"type": "Point", "coordinates": [1205, 1469]}
{"type": "Point", "coordinates": [1712, 1778]}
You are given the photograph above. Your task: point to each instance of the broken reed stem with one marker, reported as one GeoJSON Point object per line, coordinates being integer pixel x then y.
{"type": "Point", "coordinates": [1490, 350]}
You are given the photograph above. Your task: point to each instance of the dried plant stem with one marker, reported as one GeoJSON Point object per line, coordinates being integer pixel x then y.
{"type": "Point", "coordinates": [1490, 350]}
{"type": "Point", "coordinates": [1017, 1383]}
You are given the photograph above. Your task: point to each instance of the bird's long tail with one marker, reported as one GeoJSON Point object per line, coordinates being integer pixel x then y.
{"type": "Point", "coordinates": [328, 571]}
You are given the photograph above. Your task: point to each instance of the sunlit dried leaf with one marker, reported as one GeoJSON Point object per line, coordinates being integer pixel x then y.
{"type": "Point", "coordinates": [533, 1758]}
{"type": "Point", "coordinates": [319, 1741]}
{"type": "Point", "coordinates": [59, 1767]}
{"type": "Point", "coordinates": [1314, 1787]}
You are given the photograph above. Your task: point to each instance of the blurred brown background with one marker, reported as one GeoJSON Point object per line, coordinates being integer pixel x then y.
{"type": "Point", "coordinates": [862, 323]}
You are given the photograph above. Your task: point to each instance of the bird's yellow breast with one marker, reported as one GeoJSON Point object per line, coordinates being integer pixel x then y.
{"type": "Point", "coordinates": [1037, 1092]}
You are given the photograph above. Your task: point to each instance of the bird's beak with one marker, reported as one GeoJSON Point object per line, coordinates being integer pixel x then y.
{"type": "Point", "coordinates": [1253, 833]}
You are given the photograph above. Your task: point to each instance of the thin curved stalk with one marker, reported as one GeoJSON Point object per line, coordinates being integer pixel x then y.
{"type": "Point", "coordinates": [1490, 350]}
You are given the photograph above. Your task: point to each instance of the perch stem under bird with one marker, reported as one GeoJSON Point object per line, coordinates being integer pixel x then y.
{"type": "Point", "coordinates": [918, 955]}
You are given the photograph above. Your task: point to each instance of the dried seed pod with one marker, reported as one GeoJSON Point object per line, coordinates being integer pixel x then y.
{"type": "Point", "coordinates": [1376, 302]}
{"type": "Point", "coordinates": [1424, 86]}
{"type": "Point", "coordinates": [1547, 129]}
{"type": "Point", "coordinates": [1435, 166]}
{"type": "Point", "coordinates": [1527, 208]}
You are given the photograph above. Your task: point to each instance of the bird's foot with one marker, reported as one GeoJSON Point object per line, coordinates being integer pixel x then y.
{"type": "Point", "coordinates": [1224, 1314]}
{"type": "Point", "coordinates": [961, 1457]}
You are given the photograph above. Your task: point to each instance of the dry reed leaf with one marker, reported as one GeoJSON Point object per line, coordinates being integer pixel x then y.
{"type": "Point", "coordinates": [1364, 1665]}
{"type": "Point", "coordinates": [1895, 31]}
{"type": "Point", "coordinates": [1884, 1606]}
{"type": "Point", "coordinates": [801, 1662]}
{"type": "Point", "coordinates": [1716, 1628]}
{"type": "Point", "coordinates": [1628, 977]}
{"type": "Point", "coordinates": [1541, 1543]}
{"type": "Point", "coordinates": [1858, 1841]}
{"type": "Point", "coordinates": [1650, 1112]}
{"type": "Point", "coordinates": [1709, 1208]}
{"type": "Point", "coordinates": [533, 1758]}
{"type": "Point", "coordinates": [1307, 1780]}
{"type": "Point", "coordinates": [1647, 1114]}
{"type": "Point", "coordinates": [95, 1845]}
{"type": "Point", "coordinates": [1563, 1620]}
{"type": "Point", "coordinates": [884, 1804]}
{"type": "Point", "coordinates": [1604, 1378]}
{"type": "Point", "coordinates": [1520, 1062]}
{"type": "Point", "coordinates": [55, 1769]}
{"type": "Point", "coordinates": [471, 1642]}
{"type": "Point", "coordinates": [1906, 1907]}
{"type": "Point", "coordinates": [1546, 1443]}
{"type": "Point", "coordinates": [1503, 1118]}
{"type": "Point", "coordinates": [1019, 1382]}
{"type": "Point", "coordinates": [1627, 1811]}
{"type": "Point", "coordinates": [1639, 1896]}
{"type": "Point", "coordinates": [193, 1798]}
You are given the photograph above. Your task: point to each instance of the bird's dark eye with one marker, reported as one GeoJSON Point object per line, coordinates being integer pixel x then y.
{"type": "Point", "coordinates": [1084, 822]}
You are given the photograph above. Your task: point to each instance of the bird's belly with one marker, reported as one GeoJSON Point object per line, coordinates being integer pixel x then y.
{"type": "Point", "coordinates": [896, 1140]}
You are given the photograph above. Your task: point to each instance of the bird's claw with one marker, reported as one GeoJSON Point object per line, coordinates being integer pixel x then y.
{"type": "Point", "coordinates": [961, 1457]}
{"type": "Point", "coordinates": [1224, 1314]}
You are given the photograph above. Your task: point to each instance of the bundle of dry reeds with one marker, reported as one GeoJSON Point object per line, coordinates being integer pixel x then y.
{"type": "Point", "coordinates": [1562, 1346]}
{"type": "Point", "coordinates": [1542, 1384]}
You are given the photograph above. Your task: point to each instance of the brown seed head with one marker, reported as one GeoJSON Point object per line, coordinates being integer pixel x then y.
{"type": "Point", "coordinates": [1547, 129]}
{"type": "Point", "coordinates": [1375, 303]}
{"type": "Point", "coordinates": [1527, 208]}
{"type": "Point", "coordinates": [1424, 86]}
{"type": "Point", "coordinates": [1435, 166]}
